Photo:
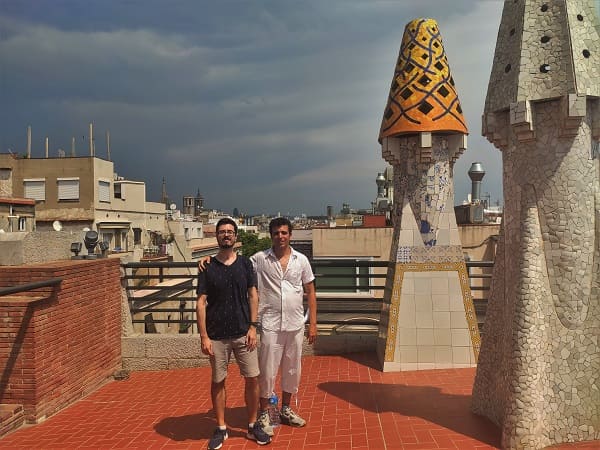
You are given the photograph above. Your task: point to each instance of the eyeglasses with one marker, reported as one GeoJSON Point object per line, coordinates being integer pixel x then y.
{"type": "Point", "coordinates": [225, 232]}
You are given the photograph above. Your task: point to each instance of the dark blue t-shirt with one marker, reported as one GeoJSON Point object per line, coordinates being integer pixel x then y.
{"type": "Point", "coordinates": [227, 305]}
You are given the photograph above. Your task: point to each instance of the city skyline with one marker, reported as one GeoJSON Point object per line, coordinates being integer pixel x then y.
{"type": "Point", "coordinates": [268, 106]}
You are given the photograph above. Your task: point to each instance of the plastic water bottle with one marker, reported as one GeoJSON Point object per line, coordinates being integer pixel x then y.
{"type": "Point", "coordinates": [274, 410]}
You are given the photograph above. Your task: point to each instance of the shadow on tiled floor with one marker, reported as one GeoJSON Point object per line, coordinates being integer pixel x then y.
{"type": "Point", "coordinates": [429, 403]}
{"type": "Point", "coordinates": [348, 402]}
{"type": "Point", "coordinates": [196, 427]}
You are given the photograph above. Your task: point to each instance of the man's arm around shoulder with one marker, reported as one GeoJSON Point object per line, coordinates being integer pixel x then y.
{"type": "Point", "coordinates": [203, 263]}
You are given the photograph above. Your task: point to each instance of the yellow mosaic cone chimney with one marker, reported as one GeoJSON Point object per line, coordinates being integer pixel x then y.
{"type": "Point", "coordinates": [428, 319]}
{"type": "Point", "coordinates": [422, 97]}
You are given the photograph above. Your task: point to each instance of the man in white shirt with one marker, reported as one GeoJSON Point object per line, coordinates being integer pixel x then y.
{"type": "Point", "coordinates": [284, 278]}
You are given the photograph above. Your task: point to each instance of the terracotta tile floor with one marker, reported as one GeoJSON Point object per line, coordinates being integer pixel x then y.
{"type": "Point", "coordinates": [348, 404]}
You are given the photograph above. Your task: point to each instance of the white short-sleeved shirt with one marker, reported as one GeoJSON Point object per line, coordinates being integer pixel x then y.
{"type": "Point", "coordinates": [280, 295]}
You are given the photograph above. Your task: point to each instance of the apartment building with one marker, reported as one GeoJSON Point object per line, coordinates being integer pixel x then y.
{"type": "Point", "coordinates": [16, 214]}
{"type": "Point", "coordinates": [84, 192]}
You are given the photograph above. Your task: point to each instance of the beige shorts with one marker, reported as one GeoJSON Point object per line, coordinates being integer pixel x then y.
{"type": "Point", "coordinates": [222, 349]}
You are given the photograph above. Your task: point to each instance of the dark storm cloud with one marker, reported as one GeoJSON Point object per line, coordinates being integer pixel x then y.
{"type": "Point", "coordinates": [265, 105]}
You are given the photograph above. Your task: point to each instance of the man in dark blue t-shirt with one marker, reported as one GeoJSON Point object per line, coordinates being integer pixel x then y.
{"type": "Point", "coordinates": [227, 311]}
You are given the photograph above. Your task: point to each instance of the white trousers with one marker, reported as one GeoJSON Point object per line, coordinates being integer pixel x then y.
{"type": "Point", "coordinates": [280, 349]}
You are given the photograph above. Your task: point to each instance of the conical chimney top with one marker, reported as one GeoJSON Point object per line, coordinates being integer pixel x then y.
{"type": "Point", "coordinates": [422, 97]}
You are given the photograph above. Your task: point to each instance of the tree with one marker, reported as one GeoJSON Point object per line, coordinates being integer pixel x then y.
{"type": "Point", "coordinates": [251, 243]}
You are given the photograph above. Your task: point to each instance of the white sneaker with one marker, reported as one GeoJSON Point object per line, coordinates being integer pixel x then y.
{"type": "Point", "coordinates": [289, 417]}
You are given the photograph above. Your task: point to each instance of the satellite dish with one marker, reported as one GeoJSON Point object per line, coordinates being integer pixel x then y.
{"type": "Point", "coordinates": [172, 206]}
{"type": "Point", "coordinates": [57, 225]}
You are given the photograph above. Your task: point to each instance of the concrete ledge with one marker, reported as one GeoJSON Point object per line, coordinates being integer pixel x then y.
{"type": "Point", "coordinates": [136, 364]}
{"type": "Point", "coordinates": [173, 346]}
{"type": "Point", "coordinates": [133, 347]}
{"type": "Point", "coordinates": [162, 352]}
{"type": "Point", "coordinates": [179, 351]}
{"type": "Point", "coordinates": [188, 363]}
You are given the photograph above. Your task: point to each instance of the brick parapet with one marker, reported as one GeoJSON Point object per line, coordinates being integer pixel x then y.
{"type": "Point", "coordinates": [58, 344]}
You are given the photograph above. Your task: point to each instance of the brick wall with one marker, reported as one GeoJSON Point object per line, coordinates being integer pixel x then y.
{"type": "Point", "coordinates": [58, 344]}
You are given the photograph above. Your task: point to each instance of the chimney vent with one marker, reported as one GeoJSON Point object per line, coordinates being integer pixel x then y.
{"type": "Point", "coordinates": [476, 174]}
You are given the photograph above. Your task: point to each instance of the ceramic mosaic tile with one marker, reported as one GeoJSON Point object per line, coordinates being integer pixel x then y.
{"type": "Point", "coordinates": [468, 311]}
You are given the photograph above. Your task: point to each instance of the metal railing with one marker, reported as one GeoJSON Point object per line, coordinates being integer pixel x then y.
{"type": "Point", "coordinates": [480, 278]}
{"type": "Point", "coordinates": [350, 292]}
{"type": "Point", "coordinates": [51, 282]}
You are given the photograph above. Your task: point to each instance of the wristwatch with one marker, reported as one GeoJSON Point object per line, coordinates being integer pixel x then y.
{"type": "Point", "coordinates": [254, 324]}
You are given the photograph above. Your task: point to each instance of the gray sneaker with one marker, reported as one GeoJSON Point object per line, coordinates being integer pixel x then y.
{"type": "Point", "coordinates": [216, 442]}
{"type": "Point", "coordinates": [256, 433]}
{"type": "Point", "coordinates": [265, 422]}
{"type": "Point", "coordinates": [289, 417]}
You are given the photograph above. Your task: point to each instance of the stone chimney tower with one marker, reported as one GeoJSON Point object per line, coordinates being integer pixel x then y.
{"type": "Point", "coordinates": [539, 368]}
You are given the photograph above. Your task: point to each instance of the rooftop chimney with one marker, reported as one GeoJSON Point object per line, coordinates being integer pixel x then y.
{"type": "Point", "coordinates": [476, 174]}
{"type": "Point", "coordinates": [380, 181]}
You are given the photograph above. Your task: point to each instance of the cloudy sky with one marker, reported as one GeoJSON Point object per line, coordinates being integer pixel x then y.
{"type": "Point", "coordinates": [267, 106]}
